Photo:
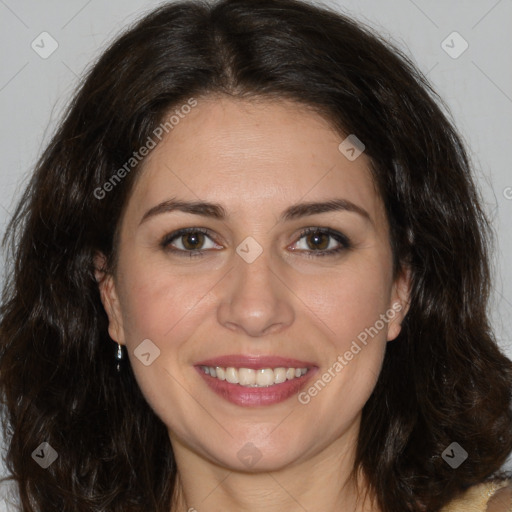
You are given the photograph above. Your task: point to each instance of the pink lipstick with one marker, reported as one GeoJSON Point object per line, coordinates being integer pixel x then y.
{"type": "Point", "coordinates": [255, 380]}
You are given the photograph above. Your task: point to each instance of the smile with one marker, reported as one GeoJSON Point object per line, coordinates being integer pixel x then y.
{"type": "Point", "coordinates": [254, 378]}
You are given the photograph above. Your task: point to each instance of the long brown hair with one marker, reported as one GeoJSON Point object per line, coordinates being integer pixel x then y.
{"type": "Point", "coordinates": [444, 378]}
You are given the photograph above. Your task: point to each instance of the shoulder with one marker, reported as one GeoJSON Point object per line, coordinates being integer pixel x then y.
{"type": "Point", "coordinates": [494, 496]}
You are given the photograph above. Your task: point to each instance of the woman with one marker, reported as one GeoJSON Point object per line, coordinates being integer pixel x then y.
{"type": "Point", "coordinates": [251, 272]}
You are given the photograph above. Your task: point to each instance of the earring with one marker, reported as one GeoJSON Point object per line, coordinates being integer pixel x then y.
{"type": "Point", "coordinates": [119, 357]}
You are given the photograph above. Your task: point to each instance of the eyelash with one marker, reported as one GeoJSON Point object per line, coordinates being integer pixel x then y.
{"type": "Point", "coordinates": [344, 242]}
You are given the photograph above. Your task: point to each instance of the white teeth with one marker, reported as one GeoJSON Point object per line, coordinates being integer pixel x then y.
{"type": "Point", "coordinates": [232, 375]}
{"type": "Point", "coordinates": [265, 377]}
{"type": "Point", "coordinates": [249, 377]}
{"type": "Point", "coordinates": [280, 375]}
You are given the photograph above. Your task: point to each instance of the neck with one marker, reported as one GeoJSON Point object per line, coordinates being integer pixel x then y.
{"type": "Point", "coordinates": [323, 482]}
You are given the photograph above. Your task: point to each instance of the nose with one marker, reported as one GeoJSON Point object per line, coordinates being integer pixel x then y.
{"type": "Point", "coordinates": [255, 298]}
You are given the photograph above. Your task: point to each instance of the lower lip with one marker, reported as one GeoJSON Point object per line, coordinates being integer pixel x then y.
{"type": "Point", "coordinates": [250, 397]}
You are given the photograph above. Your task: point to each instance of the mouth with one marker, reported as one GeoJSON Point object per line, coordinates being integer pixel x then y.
{"type": "Point", "coordinates": [255, 380]}
{"type": "Point", "coordinates": [251, 378]}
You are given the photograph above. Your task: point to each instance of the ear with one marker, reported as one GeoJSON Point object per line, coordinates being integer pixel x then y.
{"type": "Point", "coordinates": [400, 302]}
{"type": "Point", "coordinates": [109, 298]}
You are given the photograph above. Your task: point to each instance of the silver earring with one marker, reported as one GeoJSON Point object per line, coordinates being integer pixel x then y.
{"type": "Point", "coordinates": [119, 357]}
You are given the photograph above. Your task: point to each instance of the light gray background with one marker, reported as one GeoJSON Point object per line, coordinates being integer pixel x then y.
{"type": "Point", "coordinates": [477, 87]}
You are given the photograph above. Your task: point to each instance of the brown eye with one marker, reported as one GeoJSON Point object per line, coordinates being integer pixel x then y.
{"type": "Point", "coordinates": [192, 240]}
{"type": "Point", "coordinates": [323, 242]}
{"type": "Point", "coordinates": [317, 240]}
{"type": "Point", "coordinates": [189, 242]}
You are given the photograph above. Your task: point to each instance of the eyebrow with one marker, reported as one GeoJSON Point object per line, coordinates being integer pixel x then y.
{"type": "Point", "coordinates": [216, 211]}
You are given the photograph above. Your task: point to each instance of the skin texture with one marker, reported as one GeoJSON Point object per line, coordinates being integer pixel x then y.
{"type": "Point", "coordinates": [256, 159]}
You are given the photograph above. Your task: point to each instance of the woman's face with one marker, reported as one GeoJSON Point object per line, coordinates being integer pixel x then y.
{"type": "Point", "coordinates": [253, 295]}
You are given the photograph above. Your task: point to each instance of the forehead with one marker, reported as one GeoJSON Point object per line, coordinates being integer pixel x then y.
{"type": "Point", "coordinates": [254, 157]}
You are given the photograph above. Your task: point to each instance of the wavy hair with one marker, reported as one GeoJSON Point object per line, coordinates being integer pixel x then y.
{"type": "Point", "coordinates": [444, 379]}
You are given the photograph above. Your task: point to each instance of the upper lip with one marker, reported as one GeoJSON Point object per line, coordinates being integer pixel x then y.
{"type": "Point", "coordinates": [255, 362]}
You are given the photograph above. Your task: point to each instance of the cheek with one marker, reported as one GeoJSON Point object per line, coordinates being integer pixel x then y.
{"type": "Point", "coordinates": [350, 300]}
{"type": "Point", "coordinates": [162, 306]}
{"type": "Point", "coordinates": [351, 305]}
{"type": "Point", "coordinates": [156, 300]}
{"type": "Point", "coordinates": [357, 337]}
